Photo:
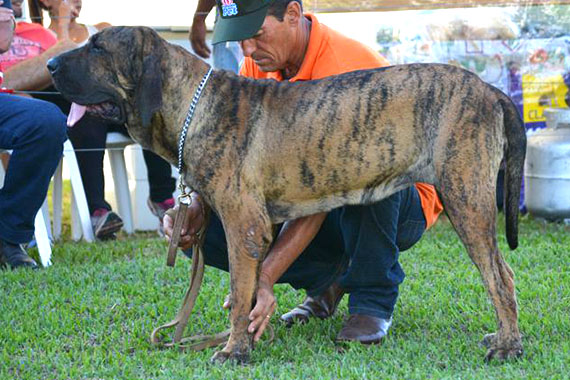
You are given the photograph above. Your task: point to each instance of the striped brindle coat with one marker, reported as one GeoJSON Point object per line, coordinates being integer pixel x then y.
{"type": "Point", "coordinates": [262, 152]}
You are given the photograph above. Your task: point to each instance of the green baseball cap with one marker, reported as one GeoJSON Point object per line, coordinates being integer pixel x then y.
{"type": "Point", "coordinates": [239, 19]}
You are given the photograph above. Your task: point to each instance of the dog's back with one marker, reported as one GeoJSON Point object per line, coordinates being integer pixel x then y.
{"type": "Point", "coordinates": [361, 136]}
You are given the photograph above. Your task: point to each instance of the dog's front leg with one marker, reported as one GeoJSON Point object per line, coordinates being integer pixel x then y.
{"type": "Point", "coordinates": [248, 237]}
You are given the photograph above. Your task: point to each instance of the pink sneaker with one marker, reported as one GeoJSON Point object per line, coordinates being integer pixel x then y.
{"type": "Point", "coordinates": [105, 224]}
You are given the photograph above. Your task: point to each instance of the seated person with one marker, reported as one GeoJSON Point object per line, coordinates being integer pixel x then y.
{"type": "Point", "coordinates": [89, 135]}
{"type": "Point", "coordinates": [35, 131]}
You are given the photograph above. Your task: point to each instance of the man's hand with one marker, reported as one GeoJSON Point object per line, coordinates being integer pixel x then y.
{"type": "Point", "coordinates": [197, 36]}
{"type": "Point", "coordinates": [193, 223]}
{"type": "Point", "coordinates": [62, 13]}
{"type": "Point", "coordinates": [265, 305]}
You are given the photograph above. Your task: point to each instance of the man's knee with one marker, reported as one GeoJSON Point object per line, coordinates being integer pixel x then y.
{"type": "Point", "coordinates": [52, 123]}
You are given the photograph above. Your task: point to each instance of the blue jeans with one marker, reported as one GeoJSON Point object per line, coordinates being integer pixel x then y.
{"type": "Point", "coordinates": [357, 246]}
{"type": "Point", "coordinates": [35, 130]}
{"type": "Point", "coordinates": [227, 56]}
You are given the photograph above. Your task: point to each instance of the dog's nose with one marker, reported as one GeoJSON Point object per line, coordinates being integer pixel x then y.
{"type": "Point", "coordinates": [52, 65]}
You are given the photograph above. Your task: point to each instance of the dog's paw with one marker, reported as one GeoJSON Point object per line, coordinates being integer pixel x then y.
{"type": "Point", "coordinates": [221, 357]}
{"type": "Point", "coordinates": [501, 351]}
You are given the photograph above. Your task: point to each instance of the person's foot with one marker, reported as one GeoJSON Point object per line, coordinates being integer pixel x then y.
{"type": "Point", "coordinates": [364, 329]}
{"type": "Point", "coordinates": [105, 224]}
{"type": "Point", "coordinates": [322, 306]}
{"type": "Point", "coordinates": [158, 209]}
{"type": "Point", "coordinates": [14, 256]}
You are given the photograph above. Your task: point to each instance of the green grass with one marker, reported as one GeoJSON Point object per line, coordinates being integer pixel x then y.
{"type": "Point", "coordinates": [89, 316]}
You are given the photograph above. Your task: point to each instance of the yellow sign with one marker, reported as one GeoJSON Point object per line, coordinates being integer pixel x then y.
{"type": "Point", "coordinates": [540, 92]}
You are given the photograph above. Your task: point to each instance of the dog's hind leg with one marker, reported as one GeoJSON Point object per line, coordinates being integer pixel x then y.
{"type": "Point", "coordinates": [248, 233]}
{"type": "Point", "coordinates": [474, 222]}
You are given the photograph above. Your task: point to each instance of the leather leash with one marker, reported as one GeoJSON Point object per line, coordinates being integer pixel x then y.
{"type": "Point", "coordinates": [197, 342]}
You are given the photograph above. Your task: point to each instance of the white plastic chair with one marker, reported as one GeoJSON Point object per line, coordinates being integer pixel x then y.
{"type": "Point", "coordinates": [116, 144]}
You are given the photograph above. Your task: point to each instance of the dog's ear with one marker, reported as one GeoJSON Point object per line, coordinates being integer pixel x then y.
{"type": "Point", "coordinates": [149, 89]}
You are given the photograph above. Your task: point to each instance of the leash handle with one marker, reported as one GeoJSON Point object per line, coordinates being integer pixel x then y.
{"type": "Point", "coordinates": [184, 201]}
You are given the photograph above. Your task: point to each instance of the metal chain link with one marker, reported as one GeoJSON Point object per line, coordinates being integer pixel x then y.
{"type": "Point", "coordinates": [188, 119]}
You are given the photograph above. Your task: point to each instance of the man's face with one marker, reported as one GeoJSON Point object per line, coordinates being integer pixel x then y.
{"type": "Point", "coordinates": [17, 8]}
{"type": "Point", "coordinates": [270, 47]}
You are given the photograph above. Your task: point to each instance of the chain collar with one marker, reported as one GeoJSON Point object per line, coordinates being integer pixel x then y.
{"type": "Point", "coordinates": [187, 122]}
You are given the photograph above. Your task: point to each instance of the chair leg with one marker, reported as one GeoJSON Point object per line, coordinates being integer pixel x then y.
{"type": "Point", "coordinates": [121, 182]}
{"type": "Point", "coordinates": [42, 238]}
{"type": "Point", "coordinates": [76, 227]}
{"type": "Point", "coordinates": [47, 220]}
{"type": "Point", "coordinates": [56, 196]}
{"type": "Point", "coordinates": [79, 202]}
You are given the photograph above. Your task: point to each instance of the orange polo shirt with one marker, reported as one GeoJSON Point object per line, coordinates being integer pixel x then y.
{"type": "Point", "coordinates": [330, 53]}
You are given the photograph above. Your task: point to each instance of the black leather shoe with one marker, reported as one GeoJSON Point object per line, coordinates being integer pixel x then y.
{"type": "Point", "coordinates": [15, 256]}
{"type": "Point", "coordinates": [364, 329]}
{"type": "Point", "coordinates": [321, 306]}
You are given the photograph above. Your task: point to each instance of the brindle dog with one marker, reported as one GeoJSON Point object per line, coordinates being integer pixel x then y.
{"type": "Point", "coordinates": [262, 152]}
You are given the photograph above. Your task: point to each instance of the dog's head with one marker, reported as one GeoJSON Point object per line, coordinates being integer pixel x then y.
{"type": "Point", "coordinates": [117, 74]}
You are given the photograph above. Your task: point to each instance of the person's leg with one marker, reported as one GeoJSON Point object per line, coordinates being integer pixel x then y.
{"type": "Point", "coordinates": [35, 132]}
{"type": "Point", "coordinates": [160, 181]}
{"type": "Point", "coordinates": [88, 137]}
{"type": "Point", "coordinates": [161, 185]}
{"type": "Point", "coordinates": [374, 235]}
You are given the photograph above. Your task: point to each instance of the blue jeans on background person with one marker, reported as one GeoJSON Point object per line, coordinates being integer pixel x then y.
{"type": "Point", "coordinates": [369, 237]}
{"type": "Point", "coordinates": [35, 132]}
{"type": "Point", "coordinates": [227, 56]}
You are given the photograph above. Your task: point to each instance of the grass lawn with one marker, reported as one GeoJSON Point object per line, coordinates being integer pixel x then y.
{"type": "Point", "coordinates": [89, 316]}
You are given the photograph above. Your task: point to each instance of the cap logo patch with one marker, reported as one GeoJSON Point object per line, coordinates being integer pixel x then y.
{"type": "Point", "coordinates": [229, 8]}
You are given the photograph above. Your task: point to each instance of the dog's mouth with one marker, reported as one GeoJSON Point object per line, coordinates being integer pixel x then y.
{"type": "Point", "coordinates": [107, 110]}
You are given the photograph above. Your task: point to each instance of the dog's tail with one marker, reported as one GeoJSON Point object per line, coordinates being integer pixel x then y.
{"type": "Point", "coordinates": [515, 150]}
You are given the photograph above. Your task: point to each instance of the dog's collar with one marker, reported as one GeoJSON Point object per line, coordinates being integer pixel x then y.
{"type": "Point", "coordinates": [187, 122]}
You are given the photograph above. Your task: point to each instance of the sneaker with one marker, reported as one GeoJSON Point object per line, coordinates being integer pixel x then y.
{"type": "Point", "coordinates": [15, 256]}
{"type": "Point", "coordinates": [105, 224]}
{"type": "Point", "coordinates": [158, 209]}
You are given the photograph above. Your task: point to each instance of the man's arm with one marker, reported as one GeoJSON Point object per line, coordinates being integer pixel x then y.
{"type": "Point", "coordinates": [198, 29]}
{"type": "Point", "coordinates": [294, 237]}
{"type": "Point", "coordinates": [32, 74]}
{"type": "Point", "coordinates": [6, 28]}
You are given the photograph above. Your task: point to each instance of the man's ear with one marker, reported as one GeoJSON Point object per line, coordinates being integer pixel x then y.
{"type": "Point", "coordinates": [293, 13]}
{"type": "Point", "coordinates": [149, 89]}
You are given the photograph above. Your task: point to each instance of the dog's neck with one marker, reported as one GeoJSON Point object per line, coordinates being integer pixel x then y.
{"type": "Point", "coordinates": [191, 70]}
